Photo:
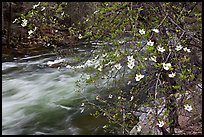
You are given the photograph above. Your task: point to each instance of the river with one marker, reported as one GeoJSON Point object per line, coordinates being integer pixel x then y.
{"type": "Point", "coordinates": [41, 100]}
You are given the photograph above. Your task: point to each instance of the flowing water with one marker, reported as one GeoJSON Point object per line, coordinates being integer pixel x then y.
{"type": "Point", "coordinates": [38, 99]}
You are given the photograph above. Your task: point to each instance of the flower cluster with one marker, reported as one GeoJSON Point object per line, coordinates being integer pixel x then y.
{"type": "Point", "coordinates": [131, 62]}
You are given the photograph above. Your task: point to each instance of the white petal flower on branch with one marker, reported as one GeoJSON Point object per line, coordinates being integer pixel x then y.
{"type": "Point", "coordinates": [24, 23]}
{"type": "Point", "coordinates": [129, 82]}
{"type": "Point", "coordinates": [187, 50]}
{"type": "Point", "coordinates": [160, 49]}
{"type": "Point", "coordinates": [154, 58]}
{"type": "Point", "coordinates": [14, 20]}
{"type": "Point", "coordinates": [172, 75]}
{"type": "Point", "coordinates": [80, 36]}
{"type": "Point", "coordinates": [35, 6]}
{"type": "Point", "coordinates": [30, 32]}
{"type": "Point", "coordinates": [131, 65]}
{"type": "Point", "coordinates": [188, 107]}
{"type": "Point", "coordinates": [110, 96]}
{"type": "Point", "coordinates": [118, 66]}
{"type": "Point", "coordinates": [139, 77]}
{"type": "Point", "coordinates": [155, 30]}
{"type": "Point", "coordinates": [179, 47]}
{"type": "Point", "coordinates": [150, 43]}
{"type": "Point", "coordinates": [166, 66]}
{"type": "Point", "coordinates": [139, 128]}
{"type": "Point", "coordinates": [142, 31]}
{"type": "Point", "coordinates": [43, 9]}
{"type": "Point", "coordinates": [160, 124]}
{"type": "Point", "coordinates": [82, 104]}
{"type": "Point", "coordinates": [131, 98]}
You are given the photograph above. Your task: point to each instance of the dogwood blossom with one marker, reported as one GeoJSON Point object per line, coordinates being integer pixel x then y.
{"type": "Point", "coordinates": [160, 124]}
{"type": "Point", "coordinates": [155, 30]}
{"type": "Point", "coordinates": [131, 62]}
{"type": "Point", "coordinates": [24, 23]}
{"type": "Point", "coordinates": [154, 58]}
{"type": "Point", "coordinates": [118, 66]}
{"type": "Point", "coordinates": [150, 43]}
{"type": "Point", "coordinates": [82, 104]}
{"type": "Point", "coordinates": [35, 6]}
{"type": "Point", "coordinates": [43, 8]}
{"type": "Point", "coordinates": [172, 75]}
{"type": "Point", "coordinates": [160, 49]}
{"type": "Point", "coordinates": [14, 20]}
{"type": "Point", "coordinates": [138, 77]}
{"type": "Point", "coordinates": [188, 107]}
{"type": "Point", "coordinates": [80, 36]}
{"type": "Point", "coordinates": [131, 65]}
{"type": "Point", "coordinates": [30, 32]}
{"type": "Point", "coordinates": [131, 98]}
{"type": "Point", "coordinates": [166, 66]}
{"type": "Point", "coordinates": [179, 47]}
{"type": "Point", "coordinates": [129, 82]}
{"type": "Point", "coordinates": [142, 31]}
{"type": "Point", "coordinates": [110, 96]}
{"type": "Point", "coordinates": [187, 50]}
{"type": "Point", "coordinates": [139, 128]}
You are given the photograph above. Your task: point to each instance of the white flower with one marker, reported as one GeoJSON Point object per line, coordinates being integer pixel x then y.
{"type": "Point", "coordinates": [80, 36]}
{"type": "Point", "coordinates": [56, 30]}
{"type": "Point", "coordinates": [82, 104]}
{"type": "Point", "coordinates": [14, 20]}
{"type": "Point", "coordinates": [130, 58]}
{"type": "Point", "coordinates": [100, 68]}
{"type": "Point", "coordinates": [145, 58]}
{"type": "Point", "coordinates": [118, 66]}
{"type": "Point", "coordinates": [160, 124]}
{"type": "Point", "coordinates": [43, 9]}
{"type": "Point", "coordinates": [129, 82]}
{"type": "Point", "coordinates": [155, 30]}
{"type": "Point", "coordinates": [35, 6]}
{"type": "Point", "coordinates": [166, 66]}
{"type": "Point", "coordinates": [35, 28]}
{"type": "Point", "coordinates": [172, 75]}
{"type": "Point", "coordinates": [96, 11]}
{"type": "Point", "coordinates": [187, 50]}
{"type": "Point", "coordinates": [138, 77]}
{"type": "Point", "coordinates": [110, 96]}
{"type": "Point", "coordinates": [154, 58]}
{"type": "Point", "coordinates": [131, 65]}
{"type": "Point", "coordinates": [97, 97]}
{"type": "Point", "coordinates": [150, 43]}
{"type": "Point", "coordinates": [188, 107]}
{"type": "Point", "coordinates": [139, 128]}
{"type": "Point", "coordinates": [62, 13]}
{"type": "Point", "coordinates": [161, 49]}
{"type": "Point", "coordinates": [119, 97]}
{"type": "Point", "coordinates": [179, 47]}
{"type": "Point", "coordinates": [142, 31]}
{"type": "Point", "coordinates": [30, 32]}
{"type": "Point", "coordinates": [24, 23]}
{"type": "Point", "coordinates": [82, 110]}
{"type": "Point", "coordinates": [131, 98]}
